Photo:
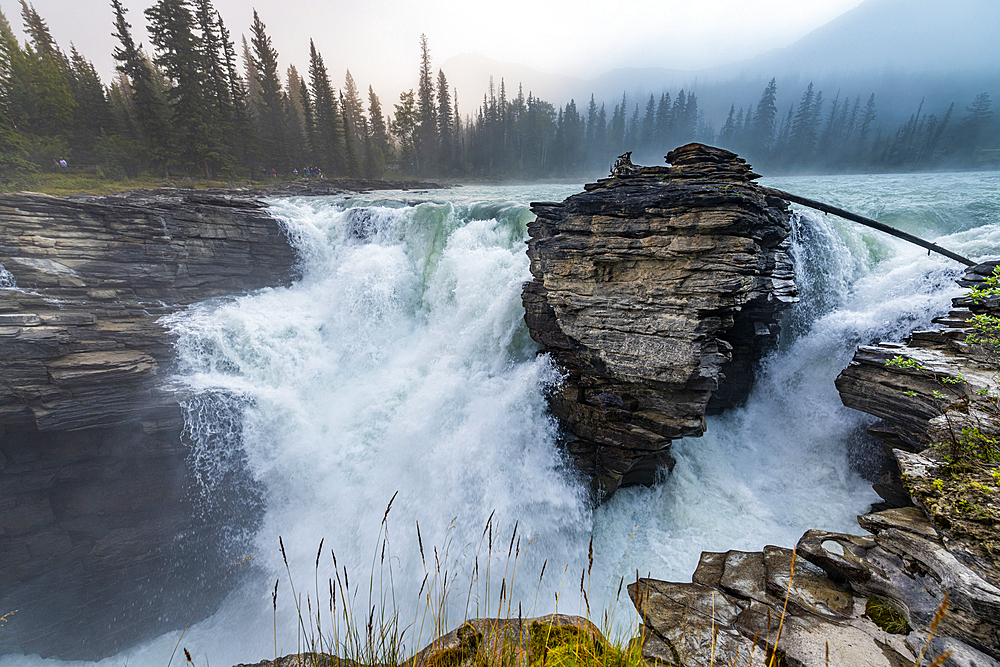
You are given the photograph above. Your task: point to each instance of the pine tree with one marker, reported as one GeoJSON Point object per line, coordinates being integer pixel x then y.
{"type": "Point", "coordinates": [728, 130]}
{"type": "Point", "coordinates": [445, 129]}
{"type": "Point", "coordinates": [270, 115]}
{"type": "Point", "coordinates": [14, 161]}
{"type": "Point", "coordinates": [594, 133]}
{"type": "Point", "coordinates": [661, 134]}
{"type": "Point", "coordinates": [616, 130]}
{"type": "Point", "coordinates": [351, 163]}
{"type": "Point", "coordinates": [242, 138]}
{"type": "Point", "coordinates": [171, 29]}
{"type": "Point", "coordinates": [295, 117]}
{"type": "Point", "coordinates": [145, 107]}
{"type": "Point", "coordinates": [213, 59]}
{"type": "Point", "coordinates": [254, 93]}
{"type": "Point", "coordinates": [308, 124]}
{"type": "Point", "coordinates": [677, 114]}
{"type": "Point", "coordinates": [427, 136]}
{"type": "Point", "coordinates": [648, 125]}
{"type": "Point", "coordinates": [40, 101]}
{"type": "Point", "coordinates": [761, 138]}
{"type": "Point", "coordinates": [329, 133]}
{"type": "Point", "coordinates": [41, 38]}
{"type": "Point", "coordinates": [802, 139]}
{"type": "Point", "coordinates": [92, 116]}
{"type": "Point", "coordinates": [973, 130]}
{"type": "Point", "coordinates": [866, 125]}
{"type": "Point", "coordinates": [381, 149]}
{"type": "Point", "coordinates": [405, 124]}
{"type": "Point", "coordinates": [355, 132]}
{"type": "Point", "coordinates": [689, 127]}
{"type": "Point", "coordinates": [573, 139]}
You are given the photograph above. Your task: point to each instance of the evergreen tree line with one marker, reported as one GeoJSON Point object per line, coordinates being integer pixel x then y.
{"type": "Point", "coordinates": [190, 106]}
{"type": "Point", "coordinates": [844, 135]}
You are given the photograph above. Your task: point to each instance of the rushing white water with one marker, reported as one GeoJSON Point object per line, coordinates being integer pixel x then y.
{"type": "Point", "coordinates": [400, 363]}
{"type": "Point", "coordinates": [6, 279]}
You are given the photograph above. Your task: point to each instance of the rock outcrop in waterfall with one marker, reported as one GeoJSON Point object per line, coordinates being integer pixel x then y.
{"type": "Point", "coordinates": [656, 291]}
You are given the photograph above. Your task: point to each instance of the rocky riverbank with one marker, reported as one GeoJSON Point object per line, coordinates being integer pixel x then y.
{"type": "Point", "coordinates": [656, 292]}
{"type": "Point", "coordinates": [937, 395]}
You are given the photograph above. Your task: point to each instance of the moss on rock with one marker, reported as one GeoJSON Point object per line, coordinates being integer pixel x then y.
{"type": "Point", "coordinates": [886, 616]}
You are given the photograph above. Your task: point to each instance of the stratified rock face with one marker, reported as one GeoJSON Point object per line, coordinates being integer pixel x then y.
{"type": "Point", "coordinates": [930, 388]}
{"type": "Point", "coordinates": [656, 293]}
{"type": "Point", "coordinates": [95, 490]}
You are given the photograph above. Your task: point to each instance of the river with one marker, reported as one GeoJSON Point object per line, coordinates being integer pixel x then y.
{"type": "Point", "coordinates": [399, 367]}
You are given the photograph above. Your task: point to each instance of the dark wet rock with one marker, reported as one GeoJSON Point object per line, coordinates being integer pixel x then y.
{"type": "Point", "coordinates": [656, 292]}
{"type": "Point", "coordinates": [96, 521]}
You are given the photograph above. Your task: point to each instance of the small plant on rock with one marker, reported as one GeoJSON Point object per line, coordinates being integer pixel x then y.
{"type": "Point", "coordinates": [899, 361]}
{"type": "Point", "coordinates": [992, 287]}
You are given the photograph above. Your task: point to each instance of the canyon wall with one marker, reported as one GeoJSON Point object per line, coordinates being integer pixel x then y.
{"type": "Point", "coordinates": [99, 543]}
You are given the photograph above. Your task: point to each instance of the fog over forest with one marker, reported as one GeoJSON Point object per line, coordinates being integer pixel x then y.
{"type": "Point", "coordinates": [891, 85]}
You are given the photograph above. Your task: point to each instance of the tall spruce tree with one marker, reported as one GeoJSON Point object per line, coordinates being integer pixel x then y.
{"type": "Point", "coordinates": [271, 113]}
{"type": "Point", "coordinates": [309, 123]}
{"type": "Point", "coordinates": [355, 131]}
{"type": "Point", "coordinates": [351, 164]}
{"type": "Point", "coordinates": [761, 139]}
{"type": "Point", "coordinates": [41, 101]}
{"type": "Point", "coordinates": [427, 136]}
{"type": "Point", "coordinates": [802, 139]}
{"type": "Point", "coordinates": [14, 163]}
{"type": "Point", "coordinates": [145, 109]}
{"type": "Point", "coordinates": [445, 127]}
{"type": "Point", "coordinates": [380, 146]}
{"type": "Point", "coordinates": [92, 116]}
{"type": "Point", "coordinates": [329, 133]}
{"type": "Point", "coordinates": [242, 139]}
{"type": "Point", "coordinates": [171, 28]}
{"type": "Point", "coordinates": [405, 123]}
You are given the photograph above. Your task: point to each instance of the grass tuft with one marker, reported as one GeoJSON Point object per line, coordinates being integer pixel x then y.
{"type": "Point", "coordinates": [886, 616]}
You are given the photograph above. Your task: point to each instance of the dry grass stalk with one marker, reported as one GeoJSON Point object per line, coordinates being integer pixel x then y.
{"type": "Point", "coordinates": [935, 622]}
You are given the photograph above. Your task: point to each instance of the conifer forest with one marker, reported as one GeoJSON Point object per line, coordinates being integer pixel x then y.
{"type": "Point", "coordinates": [199, 102]}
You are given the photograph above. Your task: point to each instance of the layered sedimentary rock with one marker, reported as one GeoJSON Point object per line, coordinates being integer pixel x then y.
{"type": "Point", "coordinates": [656, 291]}
{"type": "Point", "coordinates": [96, 527]}
{"type": "Point", "coordinates": [915, 387]}
{"type": "Point", "coordinates": [731, 612]}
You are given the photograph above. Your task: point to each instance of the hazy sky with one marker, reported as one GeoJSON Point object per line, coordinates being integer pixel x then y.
{"type": "Point", "coordinates": [378, 40]}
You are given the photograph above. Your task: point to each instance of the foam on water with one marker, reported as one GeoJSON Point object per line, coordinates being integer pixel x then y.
{"type": "Point", "coordinates": [7, 280]}
{"type": "Point", "coordinates": [400, 363]}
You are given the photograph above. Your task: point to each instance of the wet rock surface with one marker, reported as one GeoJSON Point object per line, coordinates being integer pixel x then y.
{"type": "Point", "coordinates": [656, 292]}
{"type": "Point", "coordinates": [96, 522]}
